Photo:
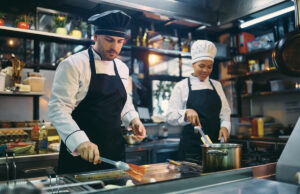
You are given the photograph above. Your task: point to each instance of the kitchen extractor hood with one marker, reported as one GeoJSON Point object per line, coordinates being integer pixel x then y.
{"type": "Point", "coordinates": [206, 12]}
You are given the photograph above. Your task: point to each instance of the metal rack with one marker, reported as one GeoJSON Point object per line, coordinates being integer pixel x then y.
{"type": "Point", "coordinates": [34, 95]}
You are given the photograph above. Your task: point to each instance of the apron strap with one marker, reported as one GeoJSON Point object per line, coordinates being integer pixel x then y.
{"type": "Point", "coordinates": [92, 63]}
{"type": "Point", "coordinates": [212, 85]}
{"type": "Point", "coordinates": [116, 69]}
{"type": "Point", "coordinates": [189, 84]}
{"type": "Point", "coordinates": [92, 60]}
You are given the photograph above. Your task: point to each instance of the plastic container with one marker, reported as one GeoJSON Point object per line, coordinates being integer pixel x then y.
{"type": "Point", "coordinates": [35, 133]}
{"type": "Point", "coordinates": [249, 84]}
{"type": "Point", "coordinates": [254, 127]}
{"type": "Point", "coordinates": [36, 83]}
{"type": "Point", "coordinates": [276, 85]}
{"type": "Point", "coordinates": [260, 127]}
{"type": "Point", "coordinates": [2, 81]}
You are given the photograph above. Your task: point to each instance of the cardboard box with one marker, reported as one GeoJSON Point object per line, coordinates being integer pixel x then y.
{"type": "Point", "coordinates": [36, 83]}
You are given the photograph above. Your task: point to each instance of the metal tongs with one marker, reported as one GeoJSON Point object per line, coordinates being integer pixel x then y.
{"type": "Point", "coordinates": [119, 164]}
{"type": "Point", "coordinates": [205, 139]}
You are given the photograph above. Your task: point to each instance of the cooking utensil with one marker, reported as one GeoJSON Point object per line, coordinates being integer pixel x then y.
{"type": "Point", "coordinates": [119, 164]}
{"type": "Point", "coordinates": [221, 156]}
{"type": "Point", "coordinates": [134, 171]}
{"type": "Point", "coordinates": [186, 168]}
{"type": "Point", "coordinates": [205, 139]}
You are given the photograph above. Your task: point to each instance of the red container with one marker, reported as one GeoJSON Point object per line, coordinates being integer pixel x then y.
{"type": "Point", "coordinates": [23, 25]}
{"type": "Point", "coordinates": [254, 127]}
{"type": "Point", "coordinates": [244, 37]}
{"type": "Point", "coordinates": [1, 22]}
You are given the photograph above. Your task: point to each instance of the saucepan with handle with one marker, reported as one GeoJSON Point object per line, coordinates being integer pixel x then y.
{"type": "Point", "coordinates": [219, 156]}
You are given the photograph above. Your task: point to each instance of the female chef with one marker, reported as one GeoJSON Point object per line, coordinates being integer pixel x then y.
{"type": "Point", "coordinates": [199, 101]}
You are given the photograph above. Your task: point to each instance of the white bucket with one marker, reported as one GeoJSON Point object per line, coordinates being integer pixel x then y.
{"type": "Point", "coordinates": [2, 81]}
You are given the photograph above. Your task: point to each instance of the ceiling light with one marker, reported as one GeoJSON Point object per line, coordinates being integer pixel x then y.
{"type": "Point", "coordinates": [266, 17]}
{"type": "Point", "coordinates": [201, 28]}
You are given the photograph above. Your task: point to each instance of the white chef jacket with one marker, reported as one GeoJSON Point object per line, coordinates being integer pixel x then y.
{"type": "Point", "coordinates": [70, 86]}
{"type": "Point", "coordinates": [177, 103]}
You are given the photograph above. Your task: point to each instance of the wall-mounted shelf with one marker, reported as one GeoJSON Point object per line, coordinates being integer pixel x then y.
{"type": "Point", "coordinates": [270, 93]}
{"type": "Point", "coordinates": [34, 95]}
{"type": "Point", "coordinates": [259, 52]}
{"type": "Point", "coordinates": [249, 75]}
{"type": "Point", "coordinates": [4, 93]}
{"type": "Point", "coordinates": [171, 53]}
{"type": "Point", "coordinates": [42, 36]}
{"type": "Point", "coordinates": [52, 37]}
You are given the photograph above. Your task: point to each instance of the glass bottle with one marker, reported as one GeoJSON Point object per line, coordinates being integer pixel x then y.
{"type": "Point", "coordinates": [165, 131]}
{"type": "Point", "coordinates": [43, 137]}
{"type": "Point", "coordinates": [145, 39]}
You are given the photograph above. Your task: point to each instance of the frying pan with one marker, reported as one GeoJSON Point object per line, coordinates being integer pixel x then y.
{"type": "Point", "coordinates": [286, 54]}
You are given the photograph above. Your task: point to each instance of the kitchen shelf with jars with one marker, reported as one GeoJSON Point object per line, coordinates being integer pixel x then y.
{"type": "Point", "coordinates": [252, 80]}
{"type": "Point", "coordinates": [269, 93]}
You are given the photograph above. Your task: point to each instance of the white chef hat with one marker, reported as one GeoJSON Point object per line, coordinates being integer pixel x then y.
{"type": "Point", "coordinates": [203, 50]}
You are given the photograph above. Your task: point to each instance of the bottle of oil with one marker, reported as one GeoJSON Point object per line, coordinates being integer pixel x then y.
{"type": "Point", "coordinates": [260, 127]}
{"type": "Point", "coordinates": [43, 137]}
{"type": "Point", "coordinates": [145, 40]}
{"type": "Point", "coordinates": [139, 37]}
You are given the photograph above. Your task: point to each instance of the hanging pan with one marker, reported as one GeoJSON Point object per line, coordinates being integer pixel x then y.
{"type": "Point", "coordinates": [286, 54]}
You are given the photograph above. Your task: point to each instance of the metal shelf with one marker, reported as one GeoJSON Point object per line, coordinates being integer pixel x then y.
{"type": "Point", "coordinates": [4, 93]}
{"type": "Point", "coordinates": [42, 36]}
{"type": "Point", "coordinates": [34, 95]}
{"type": "Point", "coordinates": [249, 75]}
{"type": "Point", "coordinates": [171, 53]}
{"type": "Point", "coordinates": [270, 93]}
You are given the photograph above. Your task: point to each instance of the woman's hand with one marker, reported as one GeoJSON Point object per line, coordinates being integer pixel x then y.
{"type": "Point", "coordinates": [223, 133]}
{"type": "Point", "coordinates": [192, 117]}
{"type": "Point", "coordinates": [139, 131]}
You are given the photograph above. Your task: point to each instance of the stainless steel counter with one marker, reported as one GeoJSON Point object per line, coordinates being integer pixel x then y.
{"type": "Point", "coordinates": [245, 186]}
{"type": "Point", "coordinates": [246, 181]}
{"type": "Point", "coordinates": [144, 153]}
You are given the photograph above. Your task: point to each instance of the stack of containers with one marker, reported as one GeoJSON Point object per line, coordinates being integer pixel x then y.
{"type": "Point", "coordinates": [36, 81]}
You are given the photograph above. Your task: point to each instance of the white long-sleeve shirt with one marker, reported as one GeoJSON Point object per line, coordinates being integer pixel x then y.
{"type": "Point", "coordinates": [71, 83]}
{"type": "Point", "coordinates": [177, 103]}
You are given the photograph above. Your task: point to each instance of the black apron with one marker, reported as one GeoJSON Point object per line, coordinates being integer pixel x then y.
{"type": "Point", "coordinates": [207, 104]}
{"type": "Point", "coordinates": [99, 116]}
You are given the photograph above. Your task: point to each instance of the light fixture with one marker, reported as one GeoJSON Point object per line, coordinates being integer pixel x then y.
{"type": "Point", "coordinates": [11, 42]}
{"type": "Point", "coordinates": [266, 17]}
{"type": "Point", "coordinates": [201, 28]}
{"type": "Point", "coordinates": [153, 59]}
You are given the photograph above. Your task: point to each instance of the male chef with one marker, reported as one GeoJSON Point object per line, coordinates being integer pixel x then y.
{"type": "Point", "coordinates": [89, 99]}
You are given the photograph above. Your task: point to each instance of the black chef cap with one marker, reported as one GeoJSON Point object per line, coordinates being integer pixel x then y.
{"type": "Point", "coordinates": [113, 23]}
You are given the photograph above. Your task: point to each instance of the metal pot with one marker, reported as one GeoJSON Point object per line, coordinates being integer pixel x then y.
{"type": "Point", "coordinates": [286, 54]}
{"type": "Point", "coordinates": [221, 156]}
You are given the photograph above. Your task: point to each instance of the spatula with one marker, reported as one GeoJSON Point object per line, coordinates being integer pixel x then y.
{"type": "Point", "coordinates": [134, 171]}
{"type": "Point", "coordinates": [119, 164]}
{"type": "Point", "coordinates": [205, 139]}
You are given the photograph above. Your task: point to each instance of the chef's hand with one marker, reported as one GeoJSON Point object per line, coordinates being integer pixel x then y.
{"type": "Point", "coordinates": [139, 131]}
{"type": "Point", "coordinates": [192, 117]}
{"type": "Point", "coordinates": [223, 133]}
{"type": "Point", "coordinates": [89, 151]}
